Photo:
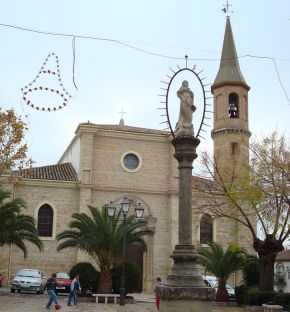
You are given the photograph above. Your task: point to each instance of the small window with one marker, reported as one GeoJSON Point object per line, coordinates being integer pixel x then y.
{"type": "Point", "coordinates": [131, 161]}
{"type": "Point", "coordinates": [206, 230]}
{"type": "Point", "coordinates": [280, 269]}
{"type": "Point", "coordinates": [233, 105]}
{"type": "Point", "coordinates": [235, 148]}
{"type": "Point", "coordinates": [45, 221]}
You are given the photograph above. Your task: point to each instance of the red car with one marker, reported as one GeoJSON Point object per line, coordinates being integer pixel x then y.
{"type": "Point", "coordinates": [1, 279]}
{"type": "Point", "coordinates": [62, 282]}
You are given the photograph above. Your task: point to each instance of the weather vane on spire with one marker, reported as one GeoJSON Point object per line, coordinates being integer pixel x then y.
{"type": "Point", "coordinates": [226, 8]}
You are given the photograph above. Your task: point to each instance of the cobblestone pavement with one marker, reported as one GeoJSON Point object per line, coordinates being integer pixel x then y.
{"type": "Point", "coordinates": [35, 303]}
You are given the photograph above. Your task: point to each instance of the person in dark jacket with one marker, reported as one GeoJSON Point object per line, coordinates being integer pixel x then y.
{"type": "Point", "coordinates": [50, 286]}
{"type": "Point", "coordinates": [74, 289]}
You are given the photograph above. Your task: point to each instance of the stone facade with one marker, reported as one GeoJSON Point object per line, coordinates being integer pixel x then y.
{"type": "Point", "coordinates": [102, 177]}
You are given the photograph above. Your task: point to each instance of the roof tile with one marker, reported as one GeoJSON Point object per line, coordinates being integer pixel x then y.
{"type": "Point", "coordinates": [60, 172]}
{"type": "Point", "coordinates": [283, 255]}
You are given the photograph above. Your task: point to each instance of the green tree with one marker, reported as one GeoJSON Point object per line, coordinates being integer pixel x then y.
{"type": "Point", "coordinates": [102, 238]}
{"type": "Point", "coordinates": [247, 192]}
{"type": "Point", "coordinates": [89, 276]}
{"type": "Point", "coordinates": [251, 272]}
{"type": "Point", "coordinates": [15, 227]}
{"type": "Point", "coordinates": [13, 152]}
{"type": "Point", "coordinates": [222, 264]}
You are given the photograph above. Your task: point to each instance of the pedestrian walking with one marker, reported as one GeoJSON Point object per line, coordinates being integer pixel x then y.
{"type": "Point", "coordinates": [157, 294]}
{"type": "Point", "coordinates": [74, 289]}
{"type": "Point", "coordinates": [50, 286]}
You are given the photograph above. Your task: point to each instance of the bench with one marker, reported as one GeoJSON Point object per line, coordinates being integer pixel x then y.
{"type": "Point", "coordinates": [106, 296]}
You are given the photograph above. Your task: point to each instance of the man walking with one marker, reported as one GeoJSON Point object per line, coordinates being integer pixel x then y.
{"type": "Point", "coordinates": [74, 289]}
{"type": "Point", "coordinates": [50, 286]}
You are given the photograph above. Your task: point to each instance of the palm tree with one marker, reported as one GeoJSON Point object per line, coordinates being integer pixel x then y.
{"type": "Point", "coordinates": [222, 264]}
{"type": "Point", "coordinates": [102, 238]}
{"type": "Point", "coordinates": [15, 227]}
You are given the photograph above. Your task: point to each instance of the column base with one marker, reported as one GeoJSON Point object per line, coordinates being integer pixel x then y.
{"type": "Point", "coordinates": [184, 289]}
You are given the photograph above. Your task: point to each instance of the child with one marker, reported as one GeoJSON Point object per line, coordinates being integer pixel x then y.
{"type": "Point", "coordinates": [157, 296]}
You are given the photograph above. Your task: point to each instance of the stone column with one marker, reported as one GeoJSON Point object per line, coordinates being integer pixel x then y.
{"type": "Point", "coordinates": [184, 289]}
{"type": "Point", "coordinates": [148, 279]}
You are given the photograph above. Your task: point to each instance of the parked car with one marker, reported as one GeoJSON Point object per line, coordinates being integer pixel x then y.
{"type": "Point", "coordinates": [1, 279]}
{"type": "Point", "coordinates": [212, 281]}
{"type": "Point", "coordinates": [63, 282]}
{"type": "Point", "coordinates": [29, 280]}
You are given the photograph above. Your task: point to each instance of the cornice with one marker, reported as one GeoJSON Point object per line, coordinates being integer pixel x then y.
{"type": "Point", "coordinates": [133, 191]}
{"type": "Point", "coordinates": [130, 136]}
{"type": "Point", "coordinates": [216, 132]}
{"type": "Point", "coordinates": [40, 182]}
{"type": "Point", "coordinates": [229, 84]}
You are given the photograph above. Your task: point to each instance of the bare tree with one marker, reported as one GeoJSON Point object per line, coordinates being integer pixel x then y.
{"type": "Point", "coordinates": [255, 193]}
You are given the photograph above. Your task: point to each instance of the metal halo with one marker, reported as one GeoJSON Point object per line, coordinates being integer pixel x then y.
{"type": "Point", "coordinates": [205, 98]}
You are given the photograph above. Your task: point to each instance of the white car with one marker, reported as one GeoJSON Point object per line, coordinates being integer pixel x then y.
{"type": "Point", "coordinates": [211, 281]}
{"type": "Point", "coordinates": [28, 280]}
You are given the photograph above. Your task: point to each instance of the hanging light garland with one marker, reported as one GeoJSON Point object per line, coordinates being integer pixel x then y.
{"type": "Point", "coordinates": [61, 91]}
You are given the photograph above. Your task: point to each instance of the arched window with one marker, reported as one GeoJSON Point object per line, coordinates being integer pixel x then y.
{"type": "Point", "coordinates": [206, 229]}
{"type": "Point", "coordinates": [45, 221]}
{"type": "Point", "coordinates": [233, 105]}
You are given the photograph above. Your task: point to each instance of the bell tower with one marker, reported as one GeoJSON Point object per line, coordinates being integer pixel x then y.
{"type": "Point", "coordinates": [230, 132]}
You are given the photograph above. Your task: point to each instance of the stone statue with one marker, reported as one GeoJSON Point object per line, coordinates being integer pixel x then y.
{"type": "Point", "coordinates": [184, 124]}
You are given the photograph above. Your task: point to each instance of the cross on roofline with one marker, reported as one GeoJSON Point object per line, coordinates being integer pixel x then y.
{"type": "Point", "coordinates": [226, 8]}
{"type": "Point", "coordinates": [122, 112]}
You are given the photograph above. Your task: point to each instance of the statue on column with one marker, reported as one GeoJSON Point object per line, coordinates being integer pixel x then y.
{"type": "Point", "coordinates": [184, 125]}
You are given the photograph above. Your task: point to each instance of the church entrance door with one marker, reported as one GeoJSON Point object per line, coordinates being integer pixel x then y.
{"type": "Point", "coordinates": [135, 254]}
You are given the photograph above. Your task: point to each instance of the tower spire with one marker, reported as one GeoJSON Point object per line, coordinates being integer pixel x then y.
{"type": "Point", "coordinates": [229, 70]}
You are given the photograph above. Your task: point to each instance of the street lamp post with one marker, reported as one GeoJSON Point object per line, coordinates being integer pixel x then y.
{"type": "Point", "coordinates": [125, 206]}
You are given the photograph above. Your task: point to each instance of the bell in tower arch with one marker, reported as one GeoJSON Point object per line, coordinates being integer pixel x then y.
{"type": "Point", "coordinates": [233, 105]}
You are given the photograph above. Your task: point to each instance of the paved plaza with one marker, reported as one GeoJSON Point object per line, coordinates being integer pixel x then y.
{"type": "Point", "coordinates": [27, 302]}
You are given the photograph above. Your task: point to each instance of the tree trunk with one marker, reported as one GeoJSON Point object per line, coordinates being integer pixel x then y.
{"type": "Point", "coordinates": [267, 251]}
{"type": "Point", "coordinates": [222, 294]}
{"type": "Point", "coordinates": [105, 282]}
{"type": "Point", "coordinates": [266, 281]}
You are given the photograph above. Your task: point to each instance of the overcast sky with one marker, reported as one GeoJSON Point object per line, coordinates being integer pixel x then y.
{"type": "Point", "coordinates": [111, 76]}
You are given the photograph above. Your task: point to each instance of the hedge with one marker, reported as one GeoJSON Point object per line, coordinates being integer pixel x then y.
{"type": "Point", "coordinates": [89, 277]}
{"type": "Point", "coordinates": [253, 296]}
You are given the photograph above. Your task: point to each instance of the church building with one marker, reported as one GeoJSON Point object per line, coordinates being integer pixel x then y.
{"type": "Point", "coordinates": [105, 163]}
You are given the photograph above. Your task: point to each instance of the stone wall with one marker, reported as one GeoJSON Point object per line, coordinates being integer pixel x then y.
{"type": "Point", "coordinates": [64, 200]}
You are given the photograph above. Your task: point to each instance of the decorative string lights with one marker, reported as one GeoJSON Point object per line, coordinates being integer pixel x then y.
{"type": "Point", "coordinates": [59, 91]}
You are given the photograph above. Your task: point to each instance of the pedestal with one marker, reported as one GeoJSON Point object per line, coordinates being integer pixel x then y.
{"type": "Point", "coordinates": [184, 289]}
